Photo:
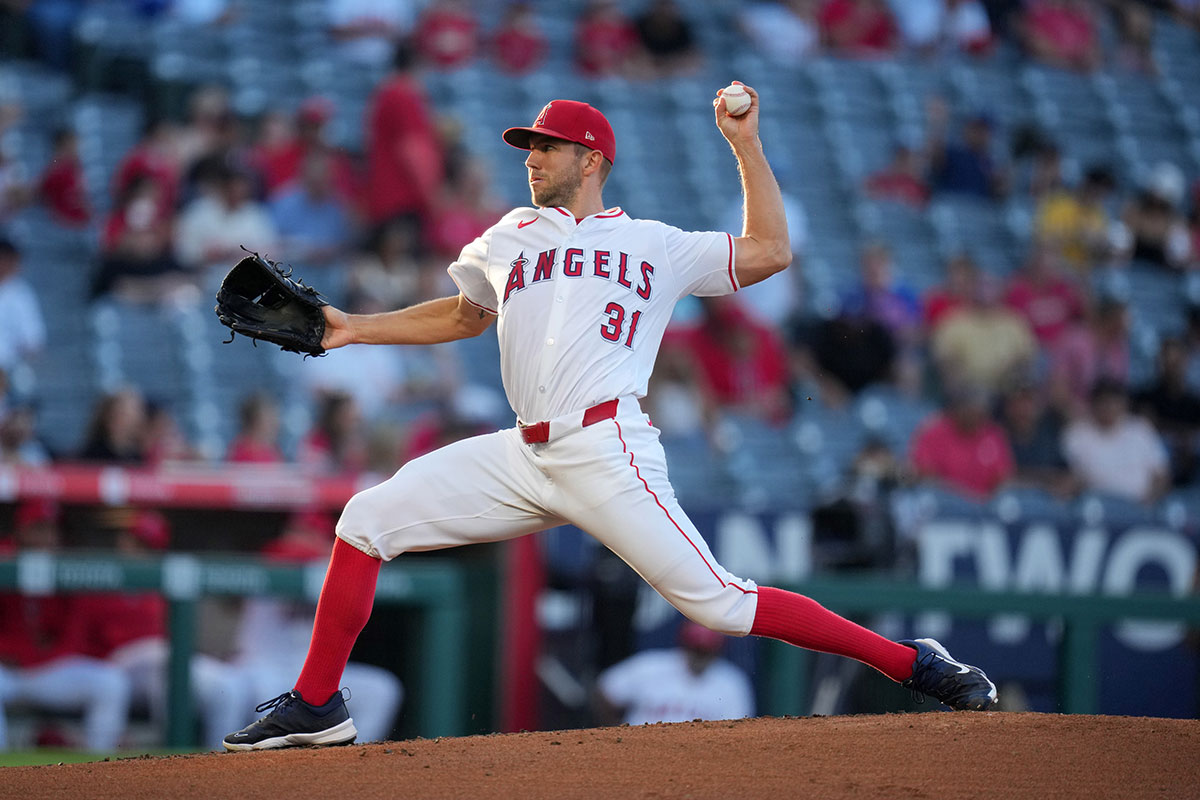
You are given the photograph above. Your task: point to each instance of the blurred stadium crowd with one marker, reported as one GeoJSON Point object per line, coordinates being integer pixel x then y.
{"type": "Point", "coordinates": [994, 204]}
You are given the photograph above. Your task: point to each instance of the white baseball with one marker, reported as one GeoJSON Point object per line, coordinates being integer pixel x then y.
{"type": "Point", "coordinates": [737, 100]}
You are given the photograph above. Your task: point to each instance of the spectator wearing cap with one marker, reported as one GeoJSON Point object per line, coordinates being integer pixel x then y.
{"type": "Point", "coordinates": [961, 448]}
{"type": "Point", "coordinates": [605, 40]}
{"type": "Point", "coordinates": [1075, 222]}
{"type": "Point", "coordinates": [984, 343]}
{"type": "Point", "coordinates": [1155, 230]}
{"type": "Point", "coordinates": [518, 46]}
{"type": "Point", "coordinates": [272, 635]}
{"type": "Point", "coordinates": [964, 166]}
{"type": "Point", "coordinates": [62, 187]}
{"type": "Point", "coordinates": [129, 631]}
{"type": "Point", "coordinates": [1062, 33]}
{"type": "Point", "coordinates": [1114, 452]}
{"type": "Point", "coordinates": [687, 682]}
{"type": "Point", "coordinates": [22, 327]}
{"type": "Point", "coordinates": [405, 162]}
{"type": "Point", "coordinates": [44, 661]}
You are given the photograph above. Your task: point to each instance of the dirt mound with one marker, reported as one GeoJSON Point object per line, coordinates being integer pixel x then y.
{"type": "Point", "coordinates": [936, 755]}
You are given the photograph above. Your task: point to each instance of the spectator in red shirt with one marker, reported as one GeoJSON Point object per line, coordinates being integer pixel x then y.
{"type": "Point", "coordinates": [62, 185]}
{"type": "Point", "coordinates": [858, 27]}
{"type": "Point", "coordinates": [257, 440]}
{"type": "Point", "coordinates": [404, 156]}
{"type": "Point", "coordinates": [1043, 295]}
{"type": "Point", "coordinates": [466, 208]}
{"type": "Point", "coordinates": [605, 40]}
{"type": "Point", "coordinates": [1062, 33]}
{"type": "Point", "coordinates": [518, 44]}
{"type": "Point", "coordinates": [962, 448]}
{"type": "Point", "coordinates": [958, 290]}
{"type": "Point", "coordinates": [280, 154]}
{"type": "Point", "coordinates": [137, 259]}
{"type": "Point", "coordinates": [902, 180]}
{"type": "Point", "coordinates": [43, 646]}
{"type": "Point", "coordinates": [156, 157]}
{"type": "Point", "coordinates": [742, 364]}
{"type": "Point", "coordinates": [448, 34]}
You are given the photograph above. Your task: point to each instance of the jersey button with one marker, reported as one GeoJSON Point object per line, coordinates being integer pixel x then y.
{"type": "Point", "coordinates": [550, 340]}
{"type": "Point", "coordinates": [542, 389]}
{"type": "Point", "coordinates": [559, 298]}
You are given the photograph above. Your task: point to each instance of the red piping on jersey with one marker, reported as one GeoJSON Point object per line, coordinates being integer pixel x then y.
{"type": "Point", "coordinates": [485, 308]}
{"type": "Point", "coordinates": [682, 533]}
{"type": "Point", "coordinates": [616, 213]}
{"type": "Point", "coordinates": [731, 279]}
{"type": "Point", "coordinates": [562, 211]}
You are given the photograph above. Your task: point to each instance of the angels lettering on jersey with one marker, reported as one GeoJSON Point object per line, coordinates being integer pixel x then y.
{"type": "Point", "coordinates": [632, 273]}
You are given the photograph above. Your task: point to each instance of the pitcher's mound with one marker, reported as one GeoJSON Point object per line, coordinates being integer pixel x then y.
{"type": "Point", "coordinates": [937, 755]}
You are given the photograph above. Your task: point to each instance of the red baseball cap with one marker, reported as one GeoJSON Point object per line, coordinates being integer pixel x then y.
{"type": "Point", "coordinates": [571, 120]}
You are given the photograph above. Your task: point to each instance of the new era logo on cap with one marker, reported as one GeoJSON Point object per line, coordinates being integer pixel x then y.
{"type": "Point", "coordinates": [571, 120]}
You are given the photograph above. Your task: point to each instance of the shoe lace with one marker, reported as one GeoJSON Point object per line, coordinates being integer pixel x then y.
{"type": "Point", "coordinates": [926, 667]}
{"type": "Point", "coordinates": [273, 702]}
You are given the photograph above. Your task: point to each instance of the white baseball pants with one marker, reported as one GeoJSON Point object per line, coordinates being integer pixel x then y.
{"type": "Point", "coordinates": [100, 690]}
{"type": "Point", "coordinates": [609, 479]}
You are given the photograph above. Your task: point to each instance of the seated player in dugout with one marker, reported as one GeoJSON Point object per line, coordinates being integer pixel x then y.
{"type": "Point", "coordinates": [581, 295]}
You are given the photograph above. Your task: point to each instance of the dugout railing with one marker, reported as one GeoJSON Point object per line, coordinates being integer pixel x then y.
{"type": "Point", "coordinates": [436, 590]}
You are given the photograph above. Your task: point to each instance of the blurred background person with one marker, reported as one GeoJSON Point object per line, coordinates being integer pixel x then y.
{"type": "Point", "coordinates": [687, 682]}
{"type": "Point", "coordinates": [44, 645]}
{"type": "Point", "coordinates": [961, 449]}
{"type": "Point", "coordinates": [1114, 452]}
{"type": "Point", "coordinates": [257, 438]}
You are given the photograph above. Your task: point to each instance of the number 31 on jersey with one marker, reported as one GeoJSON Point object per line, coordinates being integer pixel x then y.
{"type": "Point", "coordinates": [613, 329]}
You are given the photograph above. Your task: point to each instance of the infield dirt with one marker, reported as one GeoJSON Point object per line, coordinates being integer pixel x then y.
{"type": "Point", "coordinates": [933, 755]}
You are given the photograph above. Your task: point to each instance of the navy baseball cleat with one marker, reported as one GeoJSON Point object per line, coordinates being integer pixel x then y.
{"type": "Point", "coordinates": [938, 675]}
{"type": "Point", "coordinates": [293, 722]}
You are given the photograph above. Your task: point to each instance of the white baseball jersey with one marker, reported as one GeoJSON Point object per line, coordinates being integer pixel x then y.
{"type": "Point", "coordinates": [581, 312]}
{"type": "Point", "coordinates": [657, 686]}
{"type": "Point", "coordinates": [583, 306]}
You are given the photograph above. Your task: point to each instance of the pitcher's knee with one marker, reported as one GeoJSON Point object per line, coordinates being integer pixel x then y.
{"type": "Point", "coordinates": [730, 614]}
{"type": "Point", "coordinates": [359, 524]}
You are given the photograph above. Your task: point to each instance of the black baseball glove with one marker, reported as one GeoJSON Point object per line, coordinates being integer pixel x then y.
{"type": "Point", "coordinates": [261, 300]}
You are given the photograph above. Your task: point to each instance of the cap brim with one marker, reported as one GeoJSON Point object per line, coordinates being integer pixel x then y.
{"type": "Point", "coordinates": [519, 137]}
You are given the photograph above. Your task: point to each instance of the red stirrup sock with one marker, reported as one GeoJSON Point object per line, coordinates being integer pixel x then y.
{"type": "Point", "coordinates": [802, 621]}
{"type": "Point", "coordinates": [342, 612]}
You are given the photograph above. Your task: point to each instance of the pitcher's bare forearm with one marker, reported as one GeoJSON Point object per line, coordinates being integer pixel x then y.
{"type": "Point", "coordinates": [446, 319]}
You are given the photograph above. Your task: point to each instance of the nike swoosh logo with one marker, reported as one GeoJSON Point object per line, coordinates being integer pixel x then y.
{"type": "Point", "coordinates": [525, 222]}
{"type": "Point", "coordinates": [963, 669]}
